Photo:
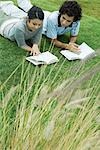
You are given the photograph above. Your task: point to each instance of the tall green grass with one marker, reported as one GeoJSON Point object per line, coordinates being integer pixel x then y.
{"type": "Point", "coordinates": [40, 114]}
{"type": "Point", "coordinates": [11, 55]}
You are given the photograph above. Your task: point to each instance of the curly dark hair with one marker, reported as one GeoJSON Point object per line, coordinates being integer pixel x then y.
{"type": "Point", "coordinates": [71, 8]}
{"type": "Point", "coordinates": [36, 12]}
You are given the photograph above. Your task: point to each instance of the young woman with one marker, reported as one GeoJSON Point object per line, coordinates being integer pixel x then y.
{"type": "Point", "coordinates": [67, 19]}
{"type": "Point", "coordinates": [24, 28]}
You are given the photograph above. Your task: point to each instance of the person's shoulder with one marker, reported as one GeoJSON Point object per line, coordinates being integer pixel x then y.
{"type": "Point", "coordinates": [76, 22]}
{"type": "Point", "coordinates": [21, 25]}
{"type": "Point", "coordinates": [53, 17]}
{"type": "Point", "coordinates": [54, 14]}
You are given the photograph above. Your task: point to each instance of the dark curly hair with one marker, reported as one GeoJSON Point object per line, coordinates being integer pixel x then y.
{"type": "Point", "coordinates": [71, 8]}
{"type": "Point", "coordinates": [36, 13]}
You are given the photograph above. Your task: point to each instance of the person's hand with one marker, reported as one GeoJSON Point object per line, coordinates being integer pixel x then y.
{"type": "Point", "coordinates": [35, 50]}
{"type": "Point", "coordinates": [73, 47]}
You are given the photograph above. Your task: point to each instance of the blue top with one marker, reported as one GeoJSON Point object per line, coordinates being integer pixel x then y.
{"type": "Point", "coordinates": [51, 28]}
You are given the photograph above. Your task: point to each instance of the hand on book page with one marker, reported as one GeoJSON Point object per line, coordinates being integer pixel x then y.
{"type": "Point", "coordinates": [73, 47]}
{"type": "Point", "coordinates": [86, 52]}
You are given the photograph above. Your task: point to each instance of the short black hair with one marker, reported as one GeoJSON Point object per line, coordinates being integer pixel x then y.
{"type": "Point", "coordinates": [71, 8]}
{"type": "Point", "coordinates": [35, 13]}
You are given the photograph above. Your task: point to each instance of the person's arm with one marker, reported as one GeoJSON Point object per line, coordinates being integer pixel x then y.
{"type": "Point", "coordinates": [20, 39]}
{"type": "Point", "coordinates": [36, 41]}
{"type": "Point", "coordinates": [51, 33]}
{"type": "Point", "coordinates": [27, 48]}
{"type": "Point", "coordinates": [34, 50]}
{"type": "Point", "coordinates": [59, 43]}
{"type": "Point", "coordinates": [71, 46]}
{"type": "Point", "coordinates": [73, 39]}
{"type": "Point", "coordinates": [74, 32]}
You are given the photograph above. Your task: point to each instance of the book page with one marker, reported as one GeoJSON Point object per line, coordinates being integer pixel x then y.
{"type": "Point", "coordinates": [30, 59]}
{"type": "Point", "coordinates": [43, 58]}
{"type": "Point", "coordinates": [46, 57]}
{"type": "Point", "coordinates": [86, 51]}
{"type": "Point", "coordinates": [69, 55]}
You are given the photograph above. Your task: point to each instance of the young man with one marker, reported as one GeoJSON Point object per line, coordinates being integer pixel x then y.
{"type": "Point", "coordinates": [67, 19]}
{"type": "Point", "coordinates": [24, 28]}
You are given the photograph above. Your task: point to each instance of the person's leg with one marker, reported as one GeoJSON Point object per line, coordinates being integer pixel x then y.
{"type": "Point", "coordinates": [24, 4]}
{"type": "Point", "coordinates": [5, 2]}
{"type": "Point", "coordinates": [10, 9]}
{"type": "Point", "coordinates": [3, 17]}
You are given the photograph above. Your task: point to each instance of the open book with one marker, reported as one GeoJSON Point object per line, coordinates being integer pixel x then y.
{"type": "Point", "coordinates": [43, 58]}
{"type": "Point", "coordinates": [86, 52]}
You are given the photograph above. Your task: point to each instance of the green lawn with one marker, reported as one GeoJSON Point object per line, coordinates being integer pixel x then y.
{"type": "Point", "coordinates": [11, 56]}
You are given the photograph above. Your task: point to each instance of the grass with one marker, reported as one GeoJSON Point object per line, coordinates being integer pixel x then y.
{"type": "Point", "coordinates": [54, 106]}
{"type": "Point", "coordinates": [38, 114]}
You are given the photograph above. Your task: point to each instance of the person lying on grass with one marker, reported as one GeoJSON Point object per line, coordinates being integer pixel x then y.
{"type": "Point", "coordinates": [24, 28]}
{"type": "Point", "coordinates": [57, 23]}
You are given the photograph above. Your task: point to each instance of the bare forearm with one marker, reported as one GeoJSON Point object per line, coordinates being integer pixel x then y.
{"type": "Point", "coordinates": [71, 46]}
{"type": "Point", "coordinates": [27, 48]}
{"type": "Point", "coordinates": [34, 50]}
{"type": "Point", "coordinates": [59, 43]}
{"type": "Point", "coordinates": [73, 39]}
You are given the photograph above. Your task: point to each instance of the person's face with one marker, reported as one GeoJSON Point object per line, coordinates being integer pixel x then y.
{"type": "Point", "coordinates": [65, 20]}
{"type": "Point", "coordinates": [34, 24]}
